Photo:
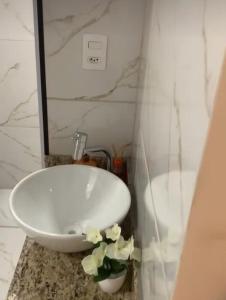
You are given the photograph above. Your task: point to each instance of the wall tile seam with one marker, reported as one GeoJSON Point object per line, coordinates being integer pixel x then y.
{"type": "Point", "coordinates": [8, 227]}
{"type": "Point", "coordinates": [16, 40]}
{"type": "Point", "coordinates": [70, 100]}
{"type": "Point", "coordinates": [22, 127]}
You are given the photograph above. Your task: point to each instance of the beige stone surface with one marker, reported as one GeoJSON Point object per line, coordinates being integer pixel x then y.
{"type": "Point", "coordinates": [43, 274]}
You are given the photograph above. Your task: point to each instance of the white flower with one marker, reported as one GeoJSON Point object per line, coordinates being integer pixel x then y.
{"type": "Point", "coordinates": [93, 235]}
{"type": "Point", "coordinates": [136, 254]}
{"type": "Point", "coordinates": [90, 265]}
{"type": "Point", "coordinates": [99, 254]}
{"type": "Point", "coordinates": [121, 249]}
{"type": "Point", "coordinates": [113, 233]}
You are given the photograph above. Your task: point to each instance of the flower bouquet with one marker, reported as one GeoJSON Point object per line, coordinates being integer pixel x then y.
{"type": "Point", "coordinates": [110, 258]}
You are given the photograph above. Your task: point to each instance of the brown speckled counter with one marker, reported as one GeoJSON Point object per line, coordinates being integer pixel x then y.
{"type": "Point", "coordinates": [55, 160]}
{"type": "Point", "coordinates": [43, 274]}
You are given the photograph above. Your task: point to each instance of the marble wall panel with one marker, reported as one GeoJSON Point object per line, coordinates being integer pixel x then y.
{"type": "Point", "coordinates": [11, 244]}
{"type": "Point", "coordinates": [20, 150]}
{"type": "Point", "coordinates": [182, 53]}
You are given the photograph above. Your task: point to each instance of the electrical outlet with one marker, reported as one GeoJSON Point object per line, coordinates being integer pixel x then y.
{"type": "Point", "coordinates": [94, 60]}
{"type": "Point", "coordinates": [94, 52]}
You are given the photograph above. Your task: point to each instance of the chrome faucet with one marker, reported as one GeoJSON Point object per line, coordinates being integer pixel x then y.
{"type": "Point", "coordinates": [80, 140]}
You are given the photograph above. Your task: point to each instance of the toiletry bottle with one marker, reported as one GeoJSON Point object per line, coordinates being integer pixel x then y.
{"type": "Point", "coordinates": [119, 166]}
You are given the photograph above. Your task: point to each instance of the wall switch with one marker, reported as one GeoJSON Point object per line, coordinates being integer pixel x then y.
{"type": "Point", "coordinates": [94, 52]}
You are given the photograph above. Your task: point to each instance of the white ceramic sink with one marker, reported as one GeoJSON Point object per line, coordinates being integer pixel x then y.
{"type": "Point", "coordinates": [56, 205]}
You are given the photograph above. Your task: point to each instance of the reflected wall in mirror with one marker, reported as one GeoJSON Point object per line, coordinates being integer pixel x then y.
{"type": "Point", "coordinates": [100, 103]}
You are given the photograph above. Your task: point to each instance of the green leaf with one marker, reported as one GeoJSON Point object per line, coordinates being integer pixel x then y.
{"type": "Point", "coordinates": [102, 274]}
{"type": "Point", "coordinates": [110, 266]}
{"type": "Point", "coordinates": [97, 245]}
{"type": "Point", "coordinates": [117, 266]}
{"type": "Point", "coordinates": [109, 241]}
{"type": "Point", "coordinates": [106, 263]}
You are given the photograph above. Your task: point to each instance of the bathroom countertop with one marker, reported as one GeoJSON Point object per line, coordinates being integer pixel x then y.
{"type": "Point", "coordinates": [55, 160]}
{"type": "Point", "coordinates": [43, 274]}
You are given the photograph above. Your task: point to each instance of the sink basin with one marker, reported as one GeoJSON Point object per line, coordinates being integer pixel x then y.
{"type": "Point", "coordinates": [56, 205]}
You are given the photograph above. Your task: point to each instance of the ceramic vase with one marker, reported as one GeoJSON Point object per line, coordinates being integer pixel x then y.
{"type": "Point", "coordinates": [113, 284]}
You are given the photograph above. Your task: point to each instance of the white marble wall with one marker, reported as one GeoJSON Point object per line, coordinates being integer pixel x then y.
{"type": "Point", "coordinates": [101, 103]}
{"type": "Point", "coordinates": [11, 243]}
{"type": "Point", "coordinates": [182, 53]}
{"type": "Point", "coordinates": [19, 120]}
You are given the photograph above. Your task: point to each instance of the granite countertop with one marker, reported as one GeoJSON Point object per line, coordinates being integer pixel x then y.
{"type": "Point", "coordinates": [56, 160]}
{"type": "Point", "coordinates": [43, 274]}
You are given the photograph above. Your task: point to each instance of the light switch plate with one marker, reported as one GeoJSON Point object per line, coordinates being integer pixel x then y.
{"type": "Point", "coordinates": [94, 52]}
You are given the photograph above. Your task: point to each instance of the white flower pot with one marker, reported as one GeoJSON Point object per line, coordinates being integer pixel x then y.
{"type": "Point", "coordinates": [113, 284]}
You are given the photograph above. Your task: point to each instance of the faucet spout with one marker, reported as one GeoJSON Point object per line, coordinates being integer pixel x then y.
{"type": "Point", "coordinates": [80, 140]}
{"type": "Point", "coordinates": [103, 150]}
